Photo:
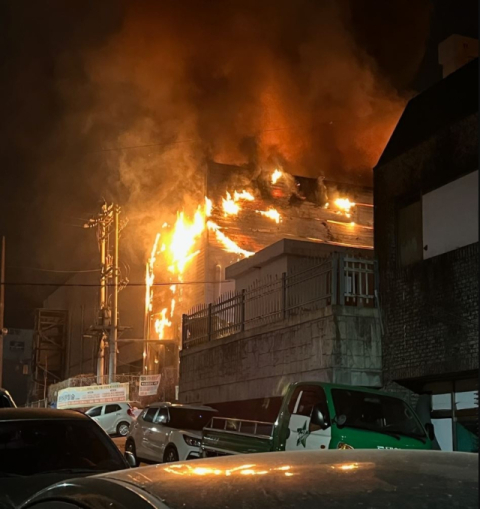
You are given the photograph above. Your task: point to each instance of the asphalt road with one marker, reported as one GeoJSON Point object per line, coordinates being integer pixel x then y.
{"type": "Point", "coordinates": [120, 443]}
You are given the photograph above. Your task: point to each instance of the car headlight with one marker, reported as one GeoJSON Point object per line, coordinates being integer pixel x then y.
{"type": "Point", "coordinates": [343, 445]}
{"type": "Point", "coordinates": [192, 442]}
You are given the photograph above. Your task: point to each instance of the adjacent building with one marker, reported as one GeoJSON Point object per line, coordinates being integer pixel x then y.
{"type": "Point", "coordinates": [426, 244]}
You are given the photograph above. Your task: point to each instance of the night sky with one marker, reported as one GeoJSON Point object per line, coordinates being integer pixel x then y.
{"type": "Point", "coordinates": [80, 79]}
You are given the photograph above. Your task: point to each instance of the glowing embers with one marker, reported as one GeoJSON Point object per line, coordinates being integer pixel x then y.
{"type": "Point", "coordinates": [344, 206]}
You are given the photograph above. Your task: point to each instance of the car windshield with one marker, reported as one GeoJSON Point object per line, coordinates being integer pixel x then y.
{"type": "Point", "coordinates": [188, 418]}
{"type": "Point", "coordinates": [35, 446]}
{"type": "Point", "coordinates": [376, 412]}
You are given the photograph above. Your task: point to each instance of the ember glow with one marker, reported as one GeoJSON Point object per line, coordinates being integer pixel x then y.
{"type": "Point", "coordinates": [345, 205]}
{"type": "Point", "coordinates": [276, 176]}
{"type": "Point", "coordinates": [271, 213]}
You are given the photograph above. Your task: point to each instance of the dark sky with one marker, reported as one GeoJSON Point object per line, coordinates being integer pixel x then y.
{"type": "Point", "coordinates": [79, 78]}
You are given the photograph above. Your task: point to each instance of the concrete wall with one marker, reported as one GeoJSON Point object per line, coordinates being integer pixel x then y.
{"type": "Point", "coordinates": [335, 344]}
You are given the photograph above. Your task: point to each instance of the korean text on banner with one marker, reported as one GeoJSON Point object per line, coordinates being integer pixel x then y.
{"type": "Point", "coordinates": [79, 397]}
{"type": "Point", "coordinates": [149, 385]}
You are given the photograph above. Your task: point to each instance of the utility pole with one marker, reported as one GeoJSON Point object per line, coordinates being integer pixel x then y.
{"type": "Point", "coordinates": [102, 233]}
{"type": "Point", "coordinates": [112, 365]}
{"type": "Point", "coordinates": [108, 222]}
{"type": "Point", "coordinates": [2, 307]}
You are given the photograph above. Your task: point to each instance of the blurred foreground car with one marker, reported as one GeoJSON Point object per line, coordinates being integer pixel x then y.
{"type": "Point", "coordinates": [114, 418]}
{"type": "Point", "coordinates": [39, 447]}
{"type": "Point", "coordinates": [338, 479]}
{"type": "Point", "coordinates": [6, 401]}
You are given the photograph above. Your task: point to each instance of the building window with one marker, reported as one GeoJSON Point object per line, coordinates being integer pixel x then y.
{"type": "Point", "coordinates": [455, 415]}
{"type": "Point", "coordinates": [450, 216]}
{"type": "Point", "coordinates": [409, 234]}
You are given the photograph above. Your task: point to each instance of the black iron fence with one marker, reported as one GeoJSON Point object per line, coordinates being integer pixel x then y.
{"type": "Point", "coordinates": [338, 279]}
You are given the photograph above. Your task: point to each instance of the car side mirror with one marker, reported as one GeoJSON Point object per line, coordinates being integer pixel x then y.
{"type": "Point", "coordinates": [132, 463]}
{"type": "Point", "coordinates": [318, 418]}
{"type": "Point", "coordinates": [429, 428]}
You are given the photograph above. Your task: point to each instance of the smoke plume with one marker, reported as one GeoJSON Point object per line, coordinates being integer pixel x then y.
{"type": "Point", "coordinates": [129, 100]}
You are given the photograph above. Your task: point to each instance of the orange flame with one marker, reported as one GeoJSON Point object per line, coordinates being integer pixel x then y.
{"type": "Point", "coordinates": [230, 207]}
{"type": "Point", "coordinates": [161, 323]}
{"type": "Point", "coordinates": [276, 176]}
{"type": "Point", "coordinates": [271, 213]}
{"type": "Point", "coordinates": [229, 245]}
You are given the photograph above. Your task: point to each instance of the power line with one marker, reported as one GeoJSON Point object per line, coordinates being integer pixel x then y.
{"type": "Point", "coordinates": [93, 285]}
{"type": "Point", "coordinates": [165, 144]}
{"type": "Point", "coordinates": [55, 271]}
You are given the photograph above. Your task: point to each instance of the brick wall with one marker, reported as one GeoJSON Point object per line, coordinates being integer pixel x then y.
{"type": "Point", "coordinates": [430, 308]}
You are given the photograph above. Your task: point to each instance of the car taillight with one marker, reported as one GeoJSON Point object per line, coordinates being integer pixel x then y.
{"type": "Point", "coordinates": [130, 412]}
{"type": "Point", "coordinates": [343, 445]}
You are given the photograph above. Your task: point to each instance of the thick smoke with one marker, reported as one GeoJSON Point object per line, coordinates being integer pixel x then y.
{"type": "Point", "coordinates": [314, 86]}
{"type": "Point", "coordinates": [295, 84]}
{"type": "Point", "coordinates": [256, 82]}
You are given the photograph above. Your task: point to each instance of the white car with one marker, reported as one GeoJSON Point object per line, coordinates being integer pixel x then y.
{"type": "Point", "coordinates": [167, 432]}
{"type": "Point", "coordinates": [114, 418]}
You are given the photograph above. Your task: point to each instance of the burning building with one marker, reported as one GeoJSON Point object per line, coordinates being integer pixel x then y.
{"type": "Point", "coordinates": [241, 212]}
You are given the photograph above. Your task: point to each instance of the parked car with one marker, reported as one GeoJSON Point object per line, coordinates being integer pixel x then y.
{"type": "Point", "coordinates": [6, 401]}
{"type": "Point", "coordinates": [167, 432]}
{"type": "Point", "coordinates": [39, 447]}
{"type": "Point", "coordinates": [114, 418]}
{"type": "Point", "coordinates": [331, 479]}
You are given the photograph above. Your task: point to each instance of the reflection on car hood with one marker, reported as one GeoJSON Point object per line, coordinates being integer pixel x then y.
{"type": "Point", "coordinates": [374, 479]}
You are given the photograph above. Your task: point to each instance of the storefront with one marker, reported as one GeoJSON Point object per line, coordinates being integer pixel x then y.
{"type": "Point", "coordinates": [454, 413]}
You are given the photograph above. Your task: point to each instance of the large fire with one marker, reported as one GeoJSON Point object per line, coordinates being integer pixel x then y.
{"type": "Point", "coordinates": [177, 245]}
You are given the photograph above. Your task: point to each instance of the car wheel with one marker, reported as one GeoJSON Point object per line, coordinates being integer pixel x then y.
{"type": "Point", "coordinates": [171, 454]}
{"type": "Point", "coordinates": [130, 447]}
{"type": "Point", "coordinates": [122, 428]}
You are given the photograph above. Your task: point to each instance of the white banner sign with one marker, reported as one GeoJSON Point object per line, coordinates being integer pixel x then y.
{"type": "Point", "coordinates": [149, 385]}
{"type": "Point", "coordinates": [79, 397]}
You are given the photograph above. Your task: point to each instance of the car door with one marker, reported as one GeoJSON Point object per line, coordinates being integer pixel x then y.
{"type": "Point", "coordinates": [144, 446]}
{"type": "Point", "coordinates": [96, 414]}
{"type": "Point", "coordinates": [110, 416]}
{"type": "Point", "coordinates": [159, 433]}
{"type": "Point", "coordinates": [303, 433]}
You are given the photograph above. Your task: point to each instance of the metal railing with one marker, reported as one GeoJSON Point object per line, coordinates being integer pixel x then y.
{"type": "Point", "coordinates": [259, 429]}
{"type": "Point", "coordinates": [338, 279]}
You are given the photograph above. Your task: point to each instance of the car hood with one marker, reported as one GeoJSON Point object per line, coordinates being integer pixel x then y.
{"type": "Point", "coordinates": [190, 432]}
{"type": "Point", "coordinates": [16, 490]}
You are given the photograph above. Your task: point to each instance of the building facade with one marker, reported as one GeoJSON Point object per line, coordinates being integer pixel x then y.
{"type": "Point", "coordinates": [426, 244]}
